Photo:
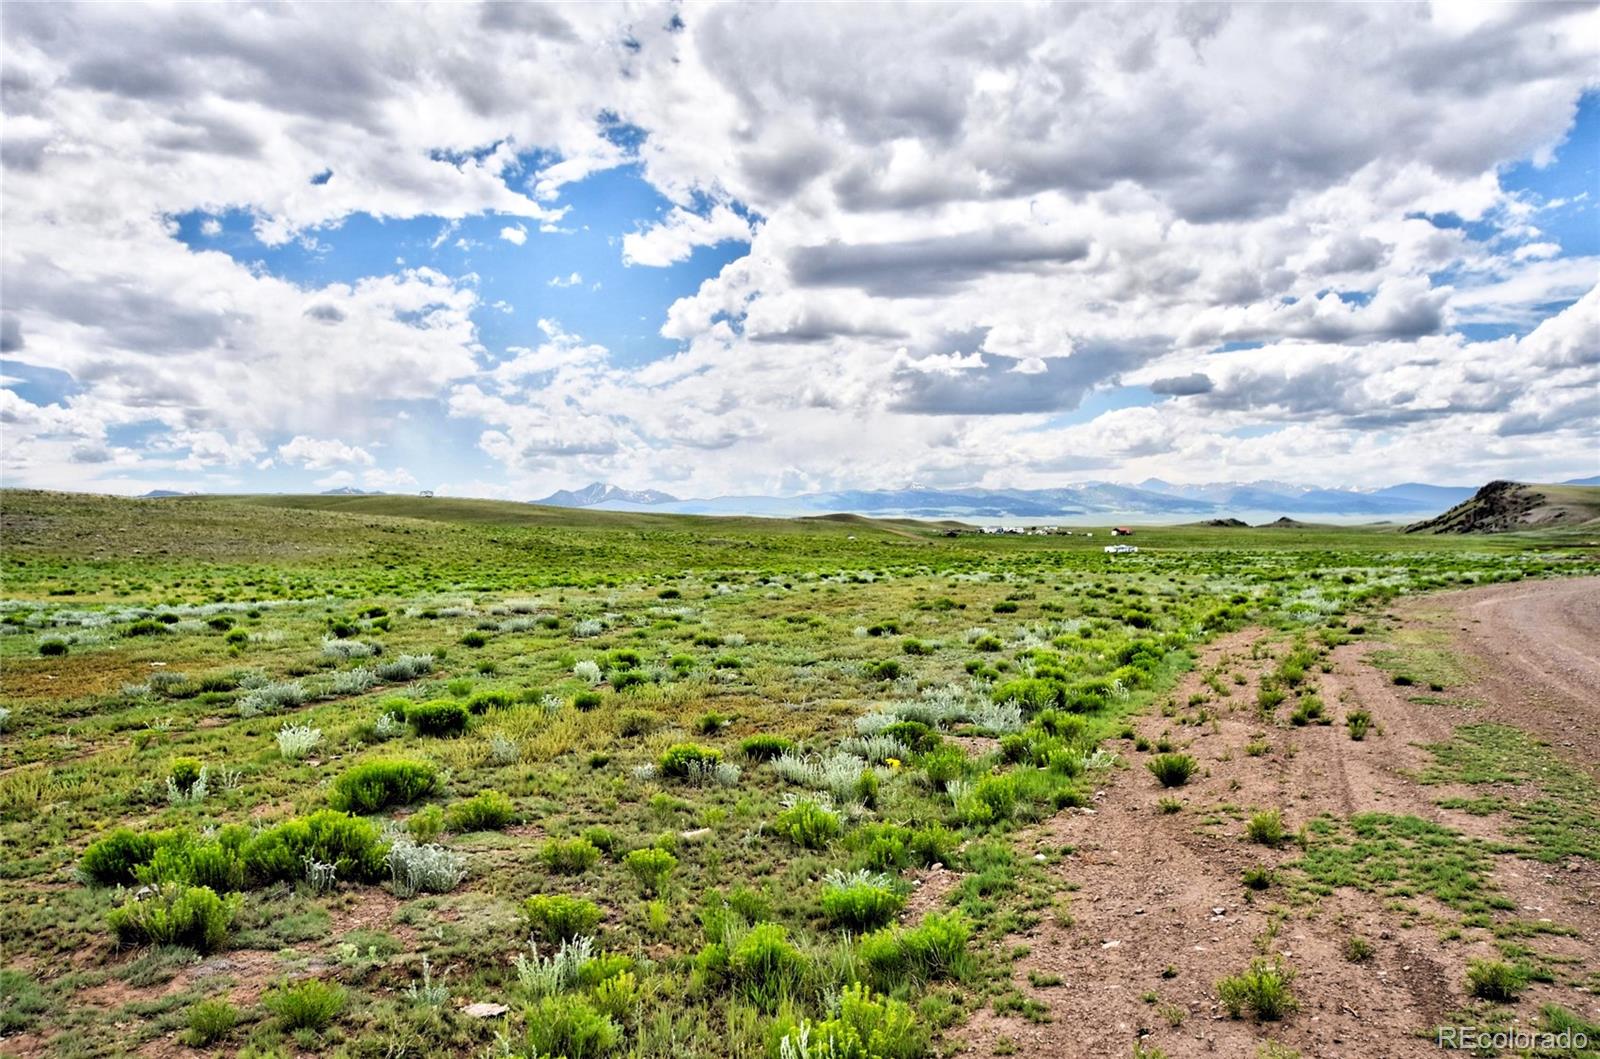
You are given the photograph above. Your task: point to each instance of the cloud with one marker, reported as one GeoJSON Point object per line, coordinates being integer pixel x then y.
{"type": "Point", "coordinates": [319, 453]}
{"type": "Point", "coordinates": [1183, 385]}
{"type": "Point", "coordinates": [675, 238]}
{"type": "Point", "coordinates": [571, 280]}
{"type": "Point", "coordinates": [946, 235]}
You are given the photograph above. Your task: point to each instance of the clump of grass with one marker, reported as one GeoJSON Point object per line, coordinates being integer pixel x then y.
{"type": "Point", "coordinates": [1359, 722]}
{"type": "Point", "coordinates": [765, 747]}
{"type": "Point", "coordinates": [1495, 980]}
{"type": "Point", "coordinates": [569, 1026]}
{"type": "Point", "coordinates": [865, 1025]}
{"type": "Point", "coordinates": [1266, 828]}
{"type": "Point", "coordinates": [52, 648]}
{"type": "Point", "coordinates": [310, 1004]}
{"type": "Point", "coordinates": [569, 856]}
{"type": "Point", "coordinates": [1357, 949]}
{"type": "Point", "coordinates": [809, 824]}
{"type": "Point", "coordinates": [860, 900]}
{"type": "Point", "coordinates": [209, 1022]}
{"type": "Point", "coordinates": [1168, 806]}
{"type": "Point", "coordinates": [682, 760]}
{"type": "Point", "coordinates": [557, 917]}
{"type": "Point", "coordinates": [1172, 770]}
{"type": "Point", "coordinates": [934, 950]}
{"type": "Point", "coordinates": [1262, 990]}
{"type": "Point", "coordinates": [1259, 878]}
{"type": "Point", "coordinates": [488, 811]}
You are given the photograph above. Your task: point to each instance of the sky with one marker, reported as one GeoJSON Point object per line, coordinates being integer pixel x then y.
{"type": "Point", "coordinates": [496, 250]}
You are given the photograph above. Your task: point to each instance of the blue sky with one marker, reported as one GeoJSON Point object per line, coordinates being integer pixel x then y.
{"type": "Point", "coordinates": [662, 252]}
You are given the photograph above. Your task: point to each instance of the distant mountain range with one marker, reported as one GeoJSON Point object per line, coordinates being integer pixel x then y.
{"type": "Point", "coordinates": [1151, 497]}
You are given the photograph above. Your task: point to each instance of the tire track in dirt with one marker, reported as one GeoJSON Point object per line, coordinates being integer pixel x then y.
{"type": "Point", "coordinates": [1149, 885]}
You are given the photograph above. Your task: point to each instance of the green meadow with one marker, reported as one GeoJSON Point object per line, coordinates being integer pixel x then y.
{"type": "Point", "coordinates": [285, 775]}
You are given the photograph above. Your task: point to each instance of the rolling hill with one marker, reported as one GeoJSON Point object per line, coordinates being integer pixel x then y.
{"type": "Point", "coordinates": [1500, 507]}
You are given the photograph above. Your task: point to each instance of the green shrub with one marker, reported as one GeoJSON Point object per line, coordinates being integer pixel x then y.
{"type": "Point", "coordinates": [353, 846]}
{"type": "Point", "coordinates": [376, 785]}
{"type": "Point", "coordinates": [1172, 770]}
{"type": "Point", "coordinates": [1266, 827]}
{"type": "Point", "coordinates": [209, 1022]}
{"type": "Point", "coordinates": [489, 811]}
{"type": "Point", "coordinates": [309, 1004]}
{"type": "Point", "coordinates": [484, 701]}
{"type": "Point", "coordinates": [1262, 990]}
{"type": "Point", "coordinates": [52, 648]}
{"type": "Point", "coordinates": [216, 862]}
{"type": "Point", "coordinates": [934, 950]}
{"type": "Point", "coordinates": [887, 669]}
{"type": "Point", "coordinates": [145, 627]}
{"type": "Point", "coordinates": [913, 646]}
{"type": "Point", "coordinates": [765, 968]}
{"type": "Point", "coordinates": [236, 638]}
{"type": "Point", "coordinates": [1359, 722]}
{"type": "Point", "coordinates": [1031, 693]}
{"type": "Point", "coordinates": [426, 824]}
{"type": "Point", "coordinates": [1495, 980]}
{"type": "Point", "coordinates": [555, 918]}
{"type": "Point", "coordinates": [185, 773]}
{"type": "Point", "coordinates": [474, 638]}
{"type": "Point", "coordinates": [623, 679]}
{"type": "Point", "coordinates": [570, 1027]}
{"type": "Point", "coordinates": [808, 825]}
{"type": "Point", "coordinates": [765, 747]}
{"type": "Point", "coordinates": [112, 861]}
{"type": "Point", "coordinates": [585, 701]}
{"type": "Point", "coordinates": [866, 1027]}
{"type": "Point", "coordinates": [945, 765]}
{"type": "Point", "coordinates": [603, 839]}
{"type": "Point", "coordinates": [176, 915]}
{"type": "Point", "coordinates": [437, 718]}
{"type": "Point", "coordinates": [651, 867]}
{"type": "Point", "coordinates": [917, 736]}
{"type": "Point", "coordinates": [569, 856]}
{"type": "Point", "coordinates": [861, 901]}
{"type": "Point", "coordinates": [680, 759]}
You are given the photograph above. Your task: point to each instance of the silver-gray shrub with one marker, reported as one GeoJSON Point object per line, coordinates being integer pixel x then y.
{"type": "Point", "coordinates": [998, 718]}
{"type": "Point", "coordinates": [838, 773]}
{"type": "Point", "coordinates": [347, 649]}
{"type": "Point", "coordinates": [295, 741]}
{"type": "Point", "coordinates": [431, 869]}
{"type": "Point", "coordinates": [503, 750]}
{"type": "Point", "coordinates": [5, 717]}
{"type": "Point", "coordinates": [876, 748]}
{"type": "Point", "coordinates": [588, 627]}
{"type": "Point", "coordinates": [405, 667]}
{"type": "Point", "coordinates": [352, 681]}
{"type": "Point", "coordinates": [548, 975]}
{"type": "Point", "coordinates": [389, 726]}
{"type": "Point", "coordinates": [587, 671]}
{"type": "Point", "coordinates": [713, 774]}
{"type": "Point", "coordinates": [271, 697]}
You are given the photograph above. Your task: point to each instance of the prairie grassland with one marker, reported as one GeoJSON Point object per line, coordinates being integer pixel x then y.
{"type": "Point", "coordinates": [286, 775]}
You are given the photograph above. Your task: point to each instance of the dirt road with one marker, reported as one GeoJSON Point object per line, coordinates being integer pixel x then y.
{"type": "Point", "coordinates": [1157, 908]}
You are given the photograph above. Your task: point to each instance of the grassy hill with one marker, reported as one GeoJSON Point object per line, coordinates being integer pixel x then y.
{"type": "Point", "coordinates": [1501, 507]}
